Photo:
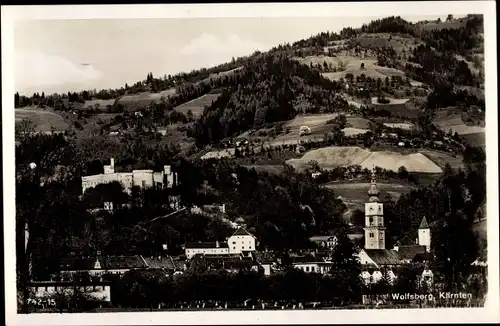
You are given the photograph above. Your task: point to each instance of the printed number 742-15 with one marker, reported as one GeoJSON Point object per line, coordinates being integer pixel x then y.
{"type": "Point", "coordinates": [42, 302]}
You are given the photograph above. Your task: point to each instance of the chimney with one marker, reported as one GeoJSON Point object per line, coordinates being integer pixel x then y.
{"type": "Point", "coordinates": [217, 244]}
{"type": "Point", "coordinates": [112, 163]}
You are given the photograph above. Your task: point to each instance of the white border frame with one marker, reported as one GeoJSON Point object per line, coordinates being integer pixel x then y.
{"type": "Point", "coordinates": [367, 9]}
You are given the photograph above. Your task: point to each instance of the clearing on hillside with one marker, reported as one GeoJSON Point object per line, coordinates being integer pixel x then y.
{"type": "Point", "coordinates": [355, 194]}
{"type": "Point", "coordinates": [316, 122]}
{"type": "Point", "coordinates": [332, 157]}
{"type": "Point", "coordinates": [405, 126]}
{"type": "Point", "coordinates": [103, 104]}
{"type": "Point", "coordinates": [395, 106]}
{"type": "Point", "coordinates": [138, 101]}
{"type": "Point", "coordinates": [476, 140]}
{"type": "Point", "coordinates": [218, 75]}
{"type": "Point", "coordinates": [441, 158]}
{"type": "Point", "coordinates": [456, 124]}
{"type": "Point", "coordinates": [44, 120]}
{"type": "Point", "coordinates": [353, 65]}
{"type": "Point", "coordinates": [197, 105]}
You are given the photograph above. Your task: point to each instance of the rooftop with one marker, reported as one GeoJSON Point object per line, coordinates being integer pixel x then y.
{"type": "Point", "coordinates": [423, 224]}
{"type": "Point", "coordinates": [242, 231]}
{"type": "Point", "coordinates": [205, 245]}
{"type": "Point", "coordinates": [384, 256]}
{"type": "Point", "coordinates": [409, 252]}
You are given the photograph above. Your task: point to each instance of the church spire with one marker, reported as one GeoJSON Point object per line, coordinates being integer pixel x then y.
{"type": "Point", "coordinates": [373, 192]}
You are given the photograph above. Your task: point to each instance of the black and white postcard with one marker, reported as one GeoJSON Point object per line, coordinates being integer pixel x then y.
{"type": "Point", "coordinates": [250, 163]}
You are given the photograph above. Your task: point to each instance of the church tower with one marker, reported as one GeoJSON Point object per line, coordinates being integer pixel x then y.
{"type": "Point", "coordinates": [374, 218]}
{"type": "Point", "coordinates": [424, 235]}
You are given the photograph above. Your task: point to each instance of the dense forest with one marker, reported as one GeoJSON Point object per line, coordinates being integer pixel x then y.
{"type": "Point", "coordinates": [267, 90]}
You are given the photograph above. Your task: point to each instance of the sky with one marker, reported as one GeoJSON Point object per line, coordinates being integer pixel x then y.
{"type": "Point", "coordinates": [49, 53]}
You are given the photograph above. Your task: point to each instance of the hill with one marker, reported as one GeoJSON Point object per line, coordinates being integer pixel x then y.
{"type": "Point", "coordinates": [44, 120]}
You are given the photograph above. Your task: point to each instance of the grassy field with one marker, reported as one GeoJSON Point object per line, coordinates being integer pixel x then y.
{"type": "Point", "coordinates": [102, 103]}
{"type": "Point", "coordinates": [396, 106]}
{"type": "Point", "coordinates": [197, 105]}
{"type": "Point", "coordinates": [355, 194]}
{"type": "Point", "coordinates": [221, 74]}
{"type": "Point", "coordinates": [456, 124]}
{"type": "Point", "coordinates": [44, 120]}
{"type": "Point", "coordinates": [353, 66]}
{"type": "Point", "coordinates": [316, 122]}
{"type": "Point", "coordinates": [136, 101]}
{"type": "Point", "coordinates": [441, 158]}
{"type": "Point", "coordinates": [476, 140]}
{"type": "Point", "coordinates": [331, 157]}
{"type": "Point", "coordinates": [405, 126]}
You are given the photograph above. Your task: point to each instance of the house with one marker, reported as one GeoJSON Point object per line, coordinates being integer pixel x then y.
{"type": "Point", "coordinates": [311, 264]}
{"type": "Point", "coordinates": [229, 263]}
{"type": "Point", "coordinates": [99, 291]}
{"type": "Point", "coordinates": [139, 178]}
{"type": "Point", "coordinates": [372, 274]}
{"type": "Point", "coordinates": [101, 265]}
{"type": "Point", "coordinates": [164, 263]}
{"type": "Point", "coordinates": [324, 241]}
{"type": "Point", "coordinates": [268, 260]}
{"type": "Point", "coordinates": [206, 248]}
{"type": "Point", "coordinates": [241, 240]}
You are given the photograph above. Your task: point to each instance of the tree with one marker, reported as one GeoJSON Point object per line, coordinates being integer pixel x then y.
{"type": "Point", "coordinates": [362, 65]}
{"type": "Point", "coordinates": [346, 268]}
{"type": "Point", "coordinates": [449, 18]}
{"type": "Point", "coordinates": [24, 128]}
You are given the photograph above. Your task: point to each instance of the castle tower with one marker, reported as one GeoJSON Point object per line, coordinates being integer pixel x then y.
{"type": "Point", "coordinates": [374, 218]}
{"type": "Point", "coordinates": [424, 235]}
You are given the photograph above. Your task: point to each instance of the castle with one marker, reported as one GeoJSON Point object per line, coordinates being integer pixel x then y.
{"type": "Point", "coordinates": [140, 178]}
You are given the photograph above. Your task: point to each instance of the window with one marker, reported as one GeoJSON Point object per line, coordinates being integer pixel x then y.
{"type": "Point", "coordinates": [371, 235]}
{"type": "Point", "coordinates": [234, 242]}
{"type": "Point", "coordinates": [313, 269]}
{"type": "Point", "coordinates": [234, 248]}
{"type": "Point", "coordinates": [307, 269]}
{"type": "Point", "coordinates": [243, 247]}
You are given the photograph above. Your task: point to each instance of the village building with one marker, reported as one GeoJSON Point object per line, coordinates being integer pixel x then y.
{"type": "Point", "coordinates": [374, 257]}
{"type": "Point", "coordinates": [100, 265]}
{"type": "Point", "coordinates": [311, 264]}
{"type": "Point", "coordinates": [139, 178]}
{"type": "Point", "coordinates": [240, 242]}
{"type": "Point", "coordinates": [324, 241]}
{"type": "Point", "coordinates": [205, 248]}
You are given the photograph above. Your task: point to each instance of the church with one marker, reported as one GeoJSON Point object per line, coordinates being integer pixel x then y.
{"type": "Point", "coordinates": [375, 256]}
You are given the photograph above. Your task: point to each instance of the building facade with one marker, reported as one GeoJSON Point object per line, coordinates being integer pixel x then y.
{"type": "Point", "coordinates": [139, 178]}
{"type": "Point", "coordinates": [205, 248]}
{"type": "Point", "coordinates": [240, 241]}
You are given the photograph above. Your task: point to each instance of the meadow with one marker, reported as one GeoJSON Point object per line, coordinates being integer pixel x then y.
{"type": "Point", "coordinates": [197, 105]}
{"type": "Point", "coordinates": [44, 120]}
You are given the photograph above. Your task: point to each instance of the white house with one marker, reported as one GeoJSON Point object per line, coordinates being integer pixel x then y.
{"type": "Point", "coordinates": [241, 240]}
{"type": "Point", "coordinates": [206, 248]}
{"type": "Point", "coordinates": [324, 241]}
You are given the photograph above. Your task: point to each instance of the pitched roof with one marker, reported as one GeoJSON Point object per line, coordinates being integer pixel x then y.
{"type": "Point", "coordinates": [383, 256]}
{"type": "Point", "coordinates": [307, 259]}
{"type": "Point", "coordinates": [409, 252]}
{"type": "Point", "coordinates": [263, 257]}
{"type": "Point", "coordinates": [161, 262]}
{"type": "Point", "coordinates": [205, 245]}
{"type": "Point", "coordinates": [423, 224]}
{"type": "Point", "coordinates": [405, 241]}
{"type": "Point", "coordinates": [242, 231]}
{"type": "Point", "coordinates": [122, 262]}
{"type": "Point", "coordinates": [322, 237]}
